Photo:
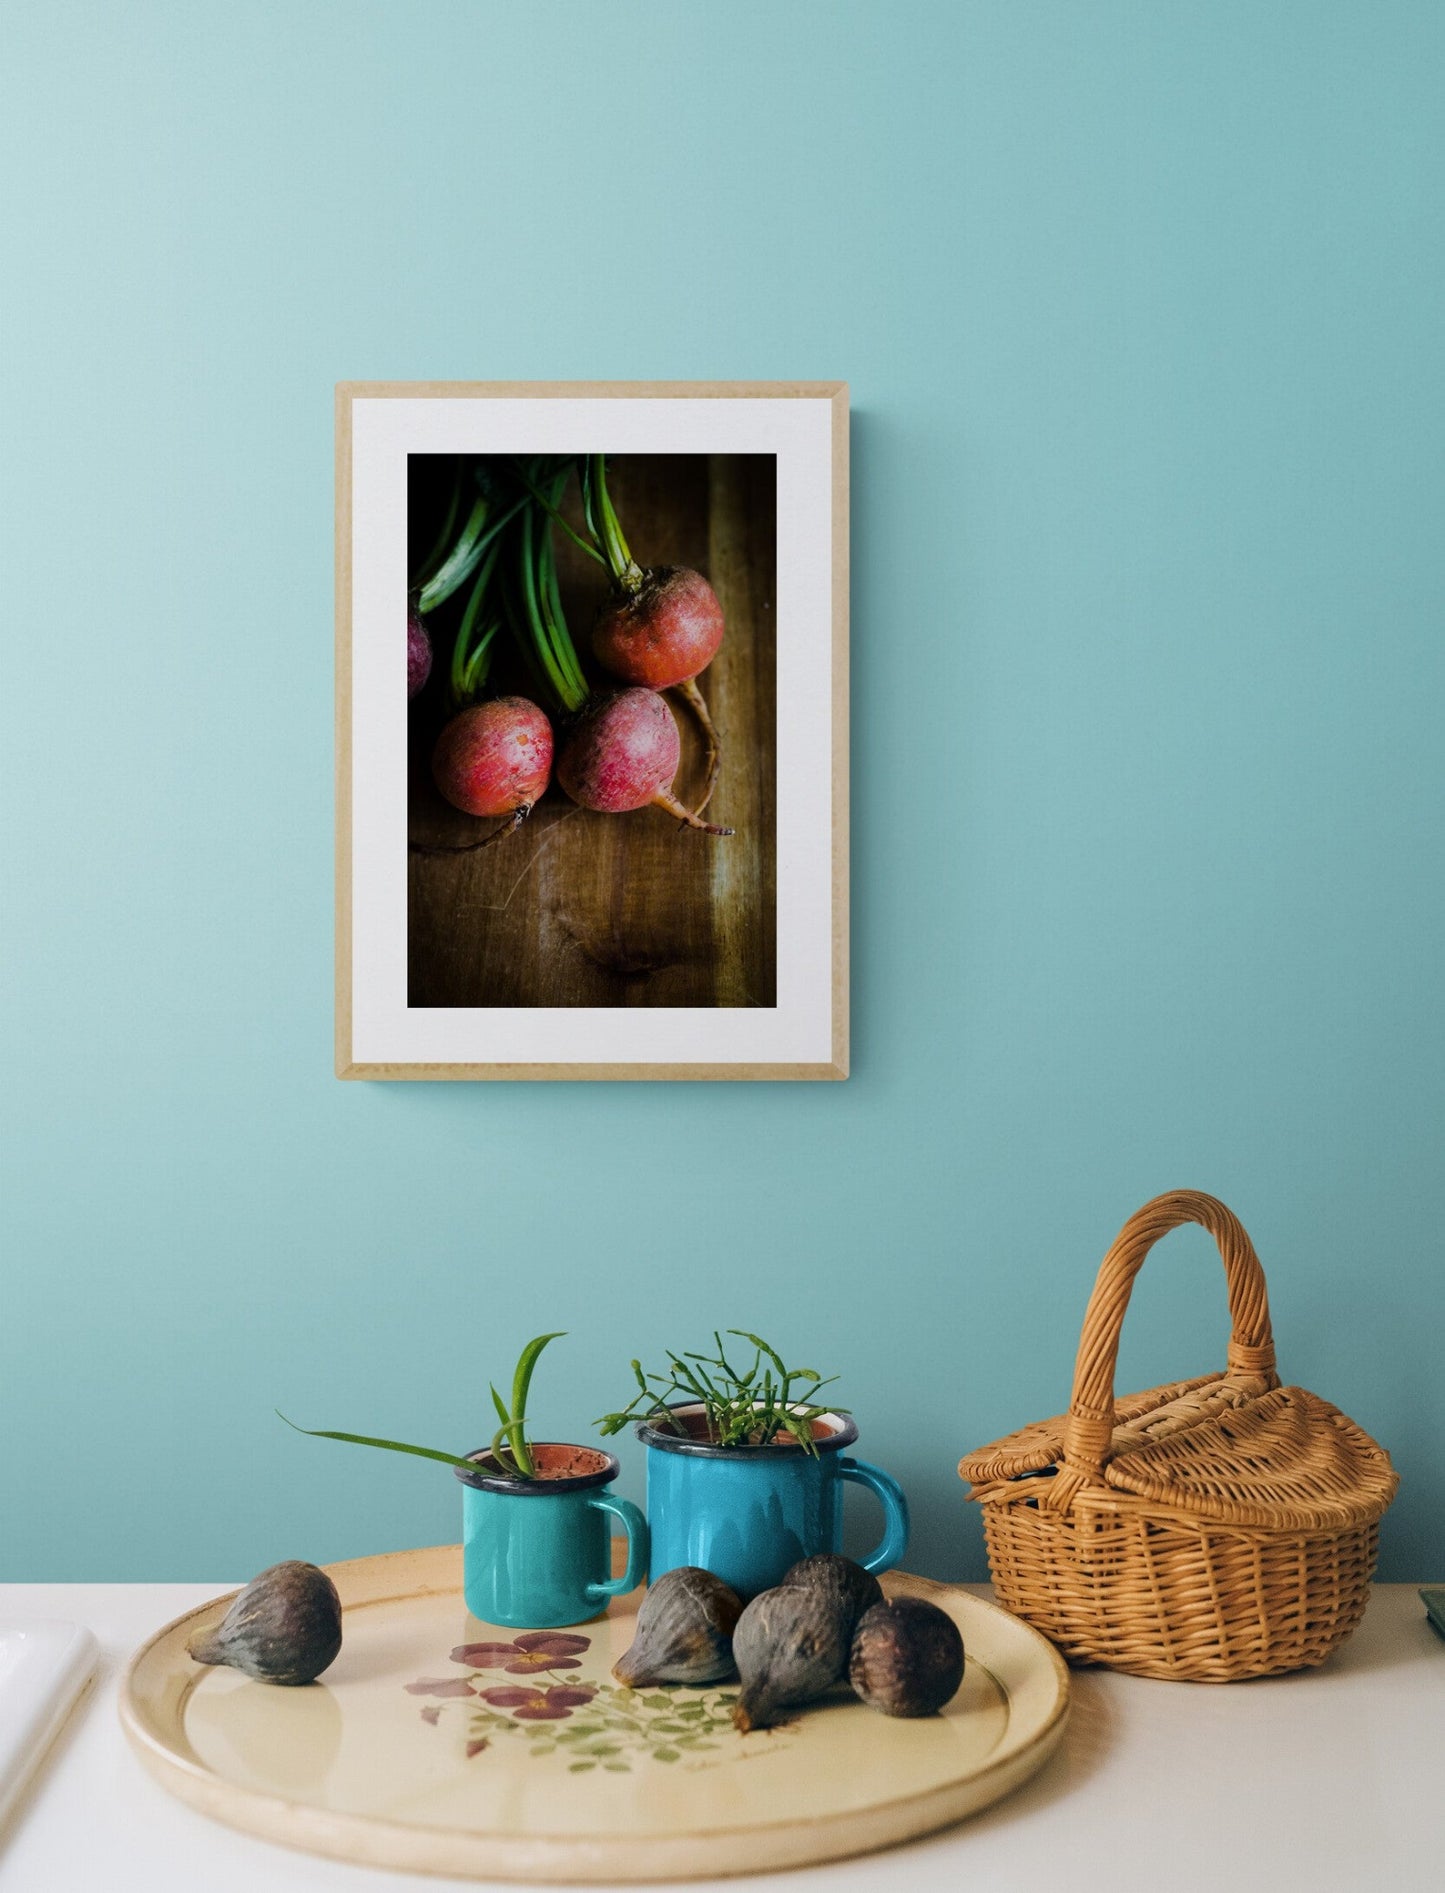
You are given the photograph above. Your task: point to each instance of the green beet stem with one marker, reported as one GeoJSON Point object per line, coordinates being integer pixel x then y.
{"type": "Point", "coordinates": [626, 573]}
{"type": "Point", "coordinates": [550, 508]}
{"type": "Point", "coordinates": [468, 552]}
{"type": "Point", "coordinates": [536, 615]}
{"type": "Point", "coordinates": [470, 663]}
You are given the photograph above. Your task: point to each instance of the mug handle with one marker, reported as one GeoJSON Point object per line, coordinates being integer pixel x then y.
{"type": "Point", "coordinates": [895, 1512]}
{"type": "Point", "coordinates": [635, 1525]}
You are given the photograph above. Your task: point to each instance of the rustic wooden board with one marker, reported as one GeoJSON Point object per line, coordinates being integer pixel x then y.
{"type": "Point", "coordinates": [580, 909]}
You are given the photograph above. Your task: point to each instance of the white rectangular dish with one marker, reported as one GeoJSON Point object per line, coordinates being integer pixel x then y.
{"type": "Point", "coordinates": [44, 1667]}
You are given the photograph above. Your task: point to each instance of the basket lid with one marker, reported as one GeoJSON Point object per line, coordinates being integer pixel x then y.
{"type": "Point", "coordinates": [1222, 1449]}
{"type": "Point", "coordinates": [1287, 1460]}
{"type": "Point", "coordinates": [1040, 1444]}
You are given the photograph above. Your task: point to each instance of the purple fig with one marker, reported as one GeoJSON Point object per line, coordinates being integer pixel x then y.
{"type": "Point", "coordinates": [907, 1657]}
{"type": "Point", "coordinates": [856, 1589]}
{"type": "Point", "coordinates": [684, 1631]}
{"type": "Point", "coordinates": [790, 1646]}
{"type": "Point", "coordinates": [285, 1627]}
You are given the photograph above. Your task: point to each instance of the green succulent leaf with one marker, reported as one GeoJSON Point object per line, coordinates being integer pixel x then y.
{"type": "Point", "coordinates": [386, 1445]}
{"type": "Point", "coordinates": [752, 1405]}
{"type": "Point", "coordinates": [509, 1446]}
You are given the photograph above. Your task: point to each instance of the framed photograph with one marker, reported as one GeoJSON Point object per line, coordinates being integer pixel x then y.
{"type": "Point", "coordinates": [596, 824]}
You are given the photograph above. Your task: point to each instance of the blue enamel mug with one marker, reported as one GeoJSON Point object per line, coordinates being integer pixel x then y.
{"type": "Point", "coordinates": [537, 1553]}
{"type": "Point", "coordinates": [747, 1513]}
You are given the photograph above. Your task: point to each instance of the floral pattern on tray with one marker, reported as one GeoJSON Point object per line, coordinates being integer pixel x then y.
{"type": "Point", "coordinates": [583, 1725]}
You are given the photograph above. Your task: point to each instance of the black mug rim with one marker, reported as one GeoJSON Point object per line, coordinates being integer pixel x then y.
{"type": "Point", "coordinates": [846, 1435]}
{"type": "Point", "coordinates": [539, 1488]}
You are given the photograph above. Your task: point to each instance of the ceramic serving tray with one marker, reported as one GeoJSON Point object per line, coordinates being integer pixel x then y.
{"type": "Point", "coordinates": [439, 1744]}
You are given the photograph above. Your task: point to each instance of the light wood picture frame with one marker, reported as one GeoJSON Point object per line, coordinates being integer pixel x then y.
{"type": "Point", "coordinates": [591, 945]}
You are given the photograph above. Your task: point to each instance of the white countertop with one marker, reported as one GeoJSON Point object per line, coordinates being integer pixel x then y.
{"type": "Point", "coordinates": [1330, 1779]}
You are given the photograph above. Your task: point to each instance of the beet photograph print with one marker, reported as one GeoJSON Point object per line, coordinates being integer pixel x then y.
{"type": "Point", "coordinates": [596, 827]}
{"type": "Point", "coordinates": [580, 632]}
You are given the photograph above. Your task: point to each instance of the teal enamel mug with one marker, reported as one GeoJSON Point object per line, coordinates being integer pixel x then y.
{"type": "Point", "coordinates": [747, 1513]}
{"type": "Point", "coordinates": [537, 1553]}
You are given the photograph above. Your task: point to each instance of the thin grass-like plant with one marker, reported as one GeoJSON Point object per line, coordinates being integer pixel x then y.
{"type": "Point", "coordinates": [747, 1408]}
{"type": "Point", "coordinates": [511, 1452]}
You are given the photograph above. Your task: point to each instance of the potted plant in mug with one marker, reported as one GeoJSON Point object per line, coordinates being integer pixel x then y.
{"type": "Point", "coordinates": [745, 1466]}
{"type": "Point", "coordinates": [536, 1548]}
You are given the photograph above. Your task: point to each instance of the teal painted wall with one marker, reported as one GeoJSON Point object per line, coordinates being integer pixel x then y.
{"type": "Point", "coordinates": [1142, 309]}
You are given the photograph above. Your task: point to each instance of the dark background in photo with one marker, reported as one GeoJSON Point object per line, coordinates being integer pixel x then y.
{"type": "Point", "coordinates": [584, 909]}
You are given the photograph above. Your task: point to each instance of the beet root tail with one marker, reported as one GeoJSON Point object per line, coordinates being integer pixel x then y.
{"type": "Point", "coordinates": [698, 704]}
{"type": "Point", "coordinates": [666, 799]}
{"type": "Point", "coordinates": [509, 827]}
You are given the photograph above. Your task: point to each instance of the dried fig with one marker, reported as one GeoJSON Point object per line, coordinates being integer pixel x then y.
{"type": "Point", "coordinates": [285, 1627]}
{"type": "Point", "coordinates": [907, 1657]}
{"type": "Point", "coordinates": [790, 1646]}
{"type": "Point", "coordinates": [841, 1578]}
{"type": "Point", "coordinates": [684, 1631]}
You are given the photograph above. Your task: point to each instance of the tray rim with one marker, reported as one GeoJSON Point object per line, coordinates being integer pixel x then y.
{"type": "Point", "coordinates": [767, 1846]}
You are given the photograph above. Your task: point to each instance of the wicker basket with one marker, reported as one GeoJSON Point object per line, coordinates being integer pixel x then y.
{"type": "Point", "coordinates": [1207, 1531]}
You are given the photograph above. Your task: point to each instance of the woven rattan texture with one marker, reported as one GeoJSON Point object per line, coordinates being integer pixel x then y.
{"type": "Point", "coordinates": [1041, 1442]}
{"type": "Point", "coordinates": [1287, 1461]}
{"type": "Point", "coordinates": [1207, 1531]}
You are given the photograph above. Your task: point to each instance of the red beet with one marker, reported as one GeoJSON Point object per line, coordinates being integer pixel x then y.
{"type": "Point", "coordinates": [495, 759]}
{"type": "Point", "coordinates": [418, 653]}
{"type": "Point", "coordinates": [623, 754]}
{"type": "Point", "coordinates": [661, 634]}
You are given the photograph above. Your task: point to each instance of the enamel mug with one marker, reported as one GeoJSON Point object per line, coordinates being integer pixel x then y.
{"type": "Point", "coordinates": [537, 1553]}
{"type": "Point", "coordinates": [747, 1513]}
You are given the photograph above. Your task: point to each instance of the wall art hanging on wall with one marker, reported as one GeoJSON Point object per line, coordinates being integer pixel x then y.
{"type": "Point", "coordinates": [596, 825]}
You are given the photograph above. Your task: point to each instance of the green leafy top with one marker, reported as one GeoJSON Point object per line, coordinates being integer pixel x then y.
{"type": "Point", "coordinates": [747, 1408]}
{"type": "Point", "coordinates": [510, 1450]}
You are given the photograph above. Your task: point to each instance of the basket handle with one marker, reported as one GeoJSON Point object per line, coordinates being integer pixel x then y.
{"type": "Point", "coordinates": [1090, 1429]}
